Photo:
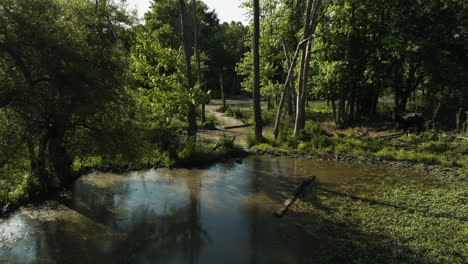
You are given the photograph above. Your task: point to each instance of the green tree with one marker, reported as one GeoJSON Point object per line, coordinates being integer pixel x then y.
{"type": "Point", "coordinates": [61, 70]}
{"type": "Point", "coordinates": [256, 72]}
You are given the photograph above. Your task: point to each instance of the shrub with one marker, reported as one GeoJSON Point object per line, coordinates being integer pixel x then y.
{"type": "Point", "coordinates": [194, 154]}
{"type": "Point", "coordinates": [210, 122]}
{"type": "Point", "coordinates": [287, 138]}
{"type": "Point", "coordinates": [226, 142]}
{"type": "Point", "coordinates": [235, 112]}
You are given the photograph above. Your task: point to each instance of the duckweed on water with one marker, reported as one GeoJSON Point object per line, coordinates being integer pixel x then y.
{"type": "Point", "coordinates": [407, 223]}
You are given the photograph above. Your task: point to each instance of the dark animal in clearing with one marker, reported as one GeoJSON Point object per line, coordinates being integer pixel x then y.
{"type": "Point", "coordinates": [405, 121]}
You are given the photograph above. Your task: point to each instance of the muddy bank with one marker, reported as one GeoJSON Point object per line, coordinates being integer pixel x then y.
{"type": "Point", "coordinates": [452, 174]}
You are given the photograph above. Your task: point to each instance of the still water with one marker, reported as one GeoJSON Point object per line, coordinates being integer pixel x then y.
{"type": "Point", "coordinates": [222, 214]}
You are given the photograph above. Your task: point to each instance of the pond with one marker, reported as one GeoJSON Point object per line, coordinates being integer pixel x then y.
{"type": "Point", "coordinates": [221, 214]}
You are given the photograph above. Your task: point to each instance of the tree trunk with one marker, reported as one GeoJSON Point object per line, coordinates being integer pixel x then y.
{"type": "Point", "coordinates": [436, 111]}
{"type": "Point", "coordinates": [290, 102]}
{"type": "Point", "coordinates": [344, 91]}
{"type": "Point", "coordinates": [300, 104]}
{"type": "Point", "coordinates": [397, 77]}
{"type": "Point", "coordinates": [221, 87]}
{"type": "Point", "coordinates": [333, 108]}
{"type": "Point", "coordinates": [192, 114]}
{"type": "Point", "coordinates": [352, 105]}
{"type": "Point", "coordinates": [290, 90]}
{"type": "Point", "coordinates": [313, 7]}
{"type": "Point", "coordinates": [466, 123]}
{"type": "Point", "coordinates": [287, 83]}
{"type": "Point", "coordinates": [60, 162]}
{"type": "Point", "coordinates": [340, 111]}
{"type": "Point", "coordinates": [300, 108]}
{"type": "Point", "coordinates": [458, 116]}
{"type": "Point", "coordinates": [197, 56]}
{"type": "Point", "coordinates": [256, 75]}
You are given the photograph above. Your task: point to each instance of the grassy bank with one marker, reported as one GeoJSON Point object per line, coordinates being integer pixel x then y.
{"type": "Point", "coordinates": [429, 148]}
{"type": "Point", "coordinates": [393, 220]}
{"type": "Point", "coordinates": [370, 139]}
{"type": "Point", "coordinates": [141, 147]}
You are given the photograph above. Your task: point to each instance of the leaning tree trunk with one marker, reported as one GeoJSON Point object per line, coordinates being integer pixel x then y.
{"type": "Point", "coordinates": [301, 97]}
{"type": "Point", "coordinates": [256, 75]}
{"type": "Point", "coordinates": [287, 83]}
{"type": "Point", "coordinates": [310, 26]}
{"type": "Point", "coordinates": [191, 115]}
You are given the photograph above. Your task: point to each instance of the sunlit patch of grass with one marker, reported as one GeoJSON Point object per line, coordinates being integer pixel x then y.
{"type": "Point", "coordinates": [417, 149]}
{"type": "Point", "coordinates": [197, 154]}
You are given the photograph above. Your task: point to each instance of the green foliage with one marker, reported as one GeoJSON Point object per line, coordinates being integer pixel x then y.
{"type": "Point", "coordinates": [226, 142]}
{"type": "Point", "coordinates": [287, 138]}
{"type": "Point", "coordinates": [236, 112]}
{"type": "Point", "coordinates": [253, 141]}
{"type": "Point", "coordinates": [195, 154]}
{"type": "Point", "coordinates": [210, 123]}
{"type": "Point", "coordinates": [62, 69]}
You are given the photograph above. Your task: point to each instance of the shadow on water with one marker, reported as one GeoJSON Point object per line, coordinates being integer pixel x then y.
{"type": "Point", "coordinates": [222, 214]}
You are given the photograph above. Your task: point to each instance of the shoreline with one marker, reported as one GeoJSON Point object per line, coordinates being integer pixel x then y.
{"type": "Point", "coordinates": [7, 209]}
{"type": "Point", "coordinates": [453, 174]}
{"type": "Point", "coordinates": [450, 174]}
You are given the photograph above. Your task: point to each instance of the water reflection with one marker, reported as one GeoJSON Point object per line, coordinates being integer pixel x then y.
{"type": "Point", "coordinates": [218, 215]}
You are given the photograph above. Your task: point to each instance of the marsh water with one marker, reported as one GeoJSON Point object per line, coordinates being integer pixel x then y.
{"type": "Point", "coordinates": [221, 214]}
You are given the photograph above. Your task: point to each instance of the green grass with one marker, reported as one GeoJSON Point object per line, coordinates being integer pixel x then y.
{"type": "Point", "coordinates": [197, 154]}
{"type": "Point", "coordinates": [394, 221]}
{"type": "Point", "coordinates": [427, 149]}
{"type": "Point", "coordinates": [210, 123]}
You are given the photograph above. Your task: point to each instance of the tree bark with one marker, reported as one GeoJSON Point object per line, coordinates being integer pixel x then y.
{"type": "Point", "coordinates": [191, 115]}
{"type": "Point", "coordinates": [436, 111]}
{"type": "Point", "coordinates": [458, 116]}
{"type": "Point", "coordinates": [313, 7]}
{"type": "Point", "coordinates": [221, 87]}
{"type": "Point", "coordinates": [301, 99]}
{"type": "Point", "coordinates": [197, 56]}
{"type": "Point", "coordinates": [291, 92]}
{"type": "Point", "coordinates": [60, 161]}
{"type": "Point", "coordinates": [287, 83]}
{"type": "Point", "coordinates": [256, 75]}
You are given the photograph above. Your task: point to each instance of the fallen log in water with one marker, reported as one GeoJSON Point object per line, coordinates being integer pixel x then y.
{"type": "Point", "coordinates": [219, 144]}
{"type": "Point", "coordinates": [296, 194]}
{"type": "Point", "coordinates": [232, 127]}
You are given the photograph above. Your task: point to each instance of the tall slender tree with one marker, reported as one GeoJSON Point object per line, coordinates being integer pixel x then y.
{"type": "Point", "coordinates": [311, 20]}
{"type": "Point", "coordinates": [256, 77]}
{"type": "Point", "coordinates": [197, 54]}
{"type": "Point", "coordinates": [191, 115]}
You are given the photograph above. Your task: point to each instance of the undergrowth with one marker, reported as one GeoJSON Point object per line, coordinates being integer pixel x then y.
{"type": "Point", "coordinates": [431, 147]}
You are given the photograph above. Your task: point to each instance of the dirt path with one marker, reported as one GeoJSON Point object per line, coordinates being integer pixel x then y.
{"type": "Point", "coordinates": [211, 136]}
